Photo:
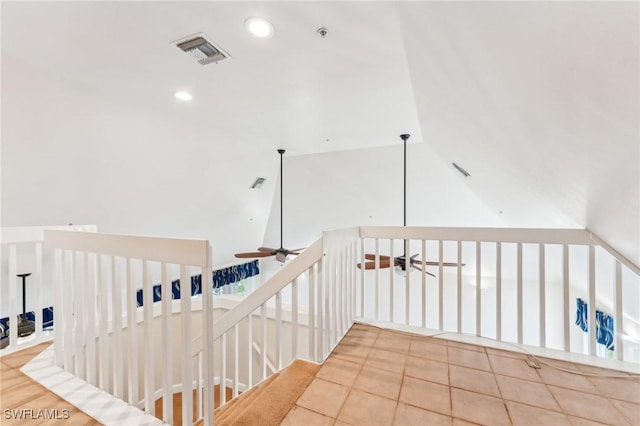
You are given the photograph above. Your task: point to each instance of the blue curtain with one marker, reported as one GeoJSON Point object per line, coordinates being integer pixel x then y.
{"type": "Point", "coordinates": [221, 278]}
{"type": "Point", "coordinates": [604, 324]}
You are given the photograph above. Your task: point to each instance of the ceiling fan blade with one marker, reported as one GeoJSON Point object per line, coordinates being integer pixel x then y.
{"type": "Point", "coordinates": [371, 256]}
{"type": "Point", "coordinates": [420, 269]}
{"type": "Point", "coordinates": [298, 249]}
{"type": "Point", "coordinates": [266, 249]}
{"type": "Point", "coordinates": [253, 254]}
{"type": "Point", "coordinates": [438, 263]}
{"type": "Point", "coordinates": [293, 253]}
{"type": "Point", "coordinates": [372, 265]}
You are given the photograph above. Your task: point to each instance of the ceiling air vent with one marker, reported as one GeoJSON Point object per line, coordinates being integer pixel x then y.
{"type": "Point", "coordinates": [202, 50]}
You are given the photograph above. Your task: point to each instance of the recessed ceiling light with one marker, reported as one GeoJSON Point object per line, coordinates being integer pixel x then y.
{"type": "Point", "coordinates": [183, 96]}
{"type": "Point", "coordinates": [259, 27]}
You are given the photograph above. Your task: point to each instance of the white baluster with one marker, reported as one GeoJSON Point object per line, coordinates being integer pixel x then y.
{"type": "Point", "coordinates": [68, 312]}
{"type": "Point", "coordinates": [391, 289]}
{"type": "Point", "coordinates": [250, 351]}
{"type": "Point", "coordinates": [423, 314]}
{"type": "Point", "coordinates": [617, 308]}
{"type": "Point", "coordinates": [362, 261]}
{"type": "Point", "coordinates": [312, 313]}
{"type": "Point", "coordinates": [321, 318]}
{"type": "Point", "coordinates": [187, 373]}
{"type": "Point", "coordinates": [236, 359]}
{"type": "Point", "coordinates": [132, 325]}
{"type": "Point", "coordinates": [207, 333]}
{"type": "Point", "coordinates": [478, 288]}
{"type": "Point", "coordinates": [79, 329]}
{"type": "Point", "coordinates": [39, 303]}
{"type": "Point", "coordinates": [441, 285]}
{"type": "Point", "coordinates": [377, 282]}
{"type": "Point", "coordinates": [263, 351]}
{"type": "Point", "coordinates": [149, 371]}
{"type": "Point", "coordinates": [337, 285]}
{"type": "Point", "coordinates": [459, 301]}
{"type": "Point", "coordinates": [499, 291]}
{"type": "Point", "coordinates": [167, 343]}
{"type": "Point", "coordinates": [542, 296]}
{"type": "Point", "coordinates": [223, 369]}
{"type": "Point", "coordinates": [116, 321]}
{"type": "Point", "coordinates": [294, 319]}
{"type": "Point", "coordinates": [592, 301]}
{"type": "Point", "coordinates": [13, 298]}
{"type": "Point", "coordinates": [519, 291]}
{"type": "Point", "coordinates": [90, 314]}
{"type": "Point", "coordinates": [278, 337]}
{"type": "Point", "coordinates": [566, 319]}
{"type": "Point", "coordinates": [58, 308]}
{"type": "Point", "coordinates": [407, 277]}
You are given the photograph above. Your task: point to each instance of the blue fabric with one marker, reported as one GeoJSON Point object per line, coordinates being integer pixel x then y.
{"type": "Point", "coordinates": [604, 324]}
{"type": "Point", "coordinates": [604, 330]}
{"type": "Point", "coordinates": [581, 315]}
{"type": "Point", "coordinates": [220, 278]}
{"type": "Point", "coordinates": [47, 321]}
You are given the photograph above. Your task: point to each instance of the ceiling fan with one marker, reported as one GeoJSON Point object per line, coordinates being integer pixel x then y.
{"type": "Point", "coordinates": [402, 261]}
{"type": "Point", "coordinates": [280, 253]}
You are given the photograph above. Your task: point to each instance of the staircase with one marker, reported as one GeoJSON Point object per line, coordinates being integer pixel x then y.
{"type": "Point", "coordinates": [269, 402]}
{"type": "Point", "coordinates": [177, 404]}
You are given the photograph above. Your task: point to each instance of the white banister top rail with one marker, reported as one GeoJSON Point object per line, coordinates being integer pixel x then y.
{"type": "Point", "coordinates": [170, 250]}
{"type": "Point", "coordinates": [613, 252]}
{"type": "Point", "coordinates": [277, 282]}
{"type": "Point", "coordinates": [502, 235]}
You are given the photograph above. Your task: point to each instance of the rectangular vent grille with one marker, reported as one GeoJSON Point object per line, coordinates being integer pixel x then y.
{"type": "Point", "coordinates": [203, 51]}
{"type": "Point", "coordinates": [258, 183]}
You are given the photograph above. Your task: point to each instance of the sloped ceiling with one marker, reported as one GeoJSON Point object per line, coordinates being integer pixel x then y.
{"type": "Point", "coordinates": [539, 101]}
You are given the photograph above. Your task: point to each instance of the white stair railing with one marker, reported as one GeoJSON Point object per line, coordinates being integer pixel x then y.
{"type": "Point", "coordinates": [25, 254]}
{"type": "Point", "coordinates": [511, 285]}
{"type": "Point", "coordinates": [96, 337]}
{"type": "Point", "coordinates": [302, 311]}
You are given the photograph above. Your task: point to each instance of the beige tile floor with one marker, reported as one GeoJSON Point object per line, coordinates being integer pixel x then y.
{"type": "Point", "coordinates": [19, 392]}
{"type": "Point", "coordinates": [380, 377]}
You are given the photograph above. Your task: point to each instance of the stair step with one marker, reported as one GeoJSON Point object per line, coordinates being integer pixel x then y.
{"type": "Point", "coordinates": [276, 398]}
{"type": "Point", "coordinates": [245, 400]}
{"type": "Point", "coordinates": [177, 404]}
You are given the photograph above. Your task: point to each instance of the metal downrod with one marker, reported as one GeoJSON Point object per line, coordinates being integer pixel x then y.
{"type": "Point", "coordinates": [281, 152]}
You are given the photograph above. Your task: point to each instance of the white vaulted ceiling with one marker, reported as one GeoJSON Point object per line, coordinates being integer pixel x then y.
{"type": "Point", "coordinates": [539, 101]}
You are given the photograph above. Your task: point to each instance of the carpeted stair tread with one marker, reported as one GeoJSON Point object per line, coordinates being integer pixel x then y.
{"type": "Point", "coordinates": [271, 406]}
{"type": "Point", "coordinates": [245, 398]}
{"type": "Point", "coordinates": [220, 410]}
{"type": "Point", "coordinates": [236, 405]}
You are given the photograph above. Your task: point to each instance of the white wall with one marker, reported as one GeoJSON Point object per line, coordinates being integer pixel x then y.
{"type": "Point", "coordinates": [105, 161]}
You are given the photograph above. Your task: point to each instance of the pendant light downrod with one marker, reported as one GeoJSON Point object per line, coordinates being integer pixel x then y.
{"type": "Point", "coordinates": [281, 152]}
{"type": "Point", "coordinates": [404, 138]}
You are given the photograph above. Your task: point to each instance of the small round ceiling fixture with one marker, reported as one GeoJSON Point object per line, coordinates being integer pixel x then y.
{"type": "Point", "coordinates": [183, 96]}
{"type": "Point", "coordinates": [259, 27]}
